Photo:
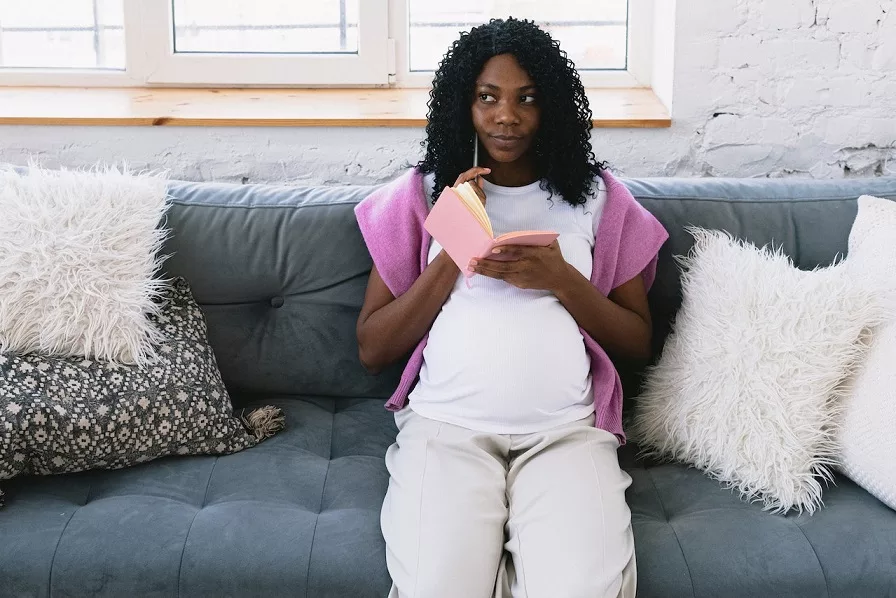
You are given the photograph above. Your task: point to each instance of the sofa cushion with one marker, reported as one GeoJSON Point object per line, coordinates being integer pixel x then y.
{"type": "Point", "coordinates": [296, 515]}
{"type": "Point", "coordinates": [693, 538]}
{"type": "Point", "coordinates": [867, 434]}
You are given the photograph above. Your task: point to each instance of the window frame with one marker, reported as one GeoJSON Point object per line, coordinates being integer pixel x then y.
{"type": "Point", "coordinates": [381, 61]}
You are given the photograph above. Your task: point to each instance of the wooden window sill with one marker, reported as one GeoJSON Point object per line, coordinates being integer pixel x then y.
{"type": "Point", "coordinates": [638, 108]}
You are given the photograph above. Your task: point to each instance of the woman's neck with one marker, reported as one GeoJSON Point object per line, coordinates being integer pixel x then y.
{"type": "Point", "coordinates": [512, 174]}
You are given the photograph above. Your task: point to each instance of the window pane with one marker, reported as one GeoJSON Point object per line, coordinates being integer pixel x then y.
{"type": "Point", "coordinates": [62, 34]}
{"type": "Point", "coordinates": [266, 26]}
{"type": "Point", "coordinates": [592, 33]}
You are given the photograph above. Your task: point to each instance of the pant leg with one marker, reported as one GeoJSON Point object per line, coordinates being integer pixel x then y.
{"type": "Point", "coordinates": [569, 528]}
{"type": "Point", "coordinates": [444, 513]}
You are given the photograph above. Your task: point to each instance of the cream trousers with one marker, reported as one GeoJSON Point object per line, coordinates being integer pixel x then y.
{"type": "Point", "coordinates": [475, 515]}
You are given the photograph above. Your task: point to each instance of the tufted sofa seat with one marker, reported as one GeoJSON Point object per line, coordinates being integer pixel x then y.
{"type": "Point", "coordinates": [298, 515]}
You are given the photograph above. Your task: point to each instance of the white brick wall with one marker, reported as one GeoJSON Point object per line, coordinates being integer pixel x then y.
{"type": "Point", "coordinates": [761, 88]}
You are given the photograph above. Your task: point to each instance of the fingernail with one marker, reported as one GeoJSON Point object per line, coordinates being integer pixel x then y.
{"type": "Point", "coordinates": [473, 263]}
{"type": "Point", "coordinates": [496, 251]}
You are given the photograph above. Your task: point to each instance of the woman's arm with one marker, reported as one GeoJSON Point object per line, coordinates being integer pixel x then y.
{"type": "Point", "coordinates": [388, 327]}
{"type": "Point", "coordinates": [620, 323]}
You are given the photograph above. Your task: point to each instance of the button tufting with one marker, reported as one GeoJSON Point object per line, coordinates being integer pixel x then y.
{"type": "Point", "coordinates": [277, 302]}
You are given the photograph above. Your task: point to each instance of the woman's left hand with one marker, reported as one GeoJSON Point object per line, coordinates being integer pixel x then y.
{"type": "Point", "coordinates": [525, 267]}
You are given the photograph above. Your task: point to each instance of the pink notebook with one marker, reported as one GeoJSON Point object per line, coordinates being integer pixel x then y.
{"type": "Point", "coordinates": [464, 236]}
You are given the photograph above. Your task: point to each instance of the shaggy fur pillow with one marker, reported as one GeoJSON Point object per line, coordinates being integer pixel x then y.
{"type": "Point", "coordinates": [78, 251]}
{"type": "Point", "coordinates": [747, 385]}
{"type": "Point", "coordinates": [868, 428]}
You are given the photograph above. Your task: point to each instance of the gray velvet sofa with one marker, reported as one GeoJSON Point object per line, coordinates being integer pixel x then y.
{"type": "Point", "coordinates": [280, 273]}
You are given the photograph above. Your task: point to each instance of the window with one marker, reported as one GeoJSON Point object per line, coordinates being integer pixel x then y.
{"type": "Point", "coordinates": [296, 42]}
{"type": "Point", "coordinates": [70, 34]}
{"type": "Point", "coordinates": [592, 33]}
{"type": "Point", "coordinates": [229, 26]}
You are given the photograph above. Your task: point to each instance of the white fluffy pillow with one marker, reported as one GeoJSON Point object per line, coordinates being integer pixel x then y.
{"type": "Point", "coordinates": [868, 426]}
{"type": "Point", "coordinates": [747, 383]}
{"type": "Point", "coordinates": [78, 251]}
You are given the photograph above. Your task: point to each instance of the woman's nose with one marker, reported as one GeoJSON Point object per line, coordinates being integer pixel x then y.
{"type": "Point", "coordinates": [507, 114]}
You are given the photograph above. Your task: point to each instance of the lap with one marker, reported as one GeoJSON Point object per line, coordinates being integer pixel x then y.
{"type": "Point", "coordinates": [554, 501]}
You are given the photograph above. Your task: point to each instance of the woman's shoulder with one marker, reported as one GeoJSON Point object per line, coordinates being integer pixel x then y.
{"type": "Point", "coordinates": [608, 181]}
{"type": "Point", "coordinates": [402, 194]}
{"type": "Point", "coordinates": [598, 188]}
{"type": "Point", "coordinates": [615, 189]}
{"type": "Point", "coordinates": [596, 196]}
{"type": "Point", "coordinates": [406, 185]}
{"type": "Point", "coordinates": [624, 212]}
{"type": "Point", "coordinates": [617, 195]}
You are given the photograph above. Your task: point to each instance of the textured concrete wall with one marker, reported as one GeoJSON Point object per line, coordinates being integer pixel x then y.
{"type": "Point", "coordinates": [761, 88]}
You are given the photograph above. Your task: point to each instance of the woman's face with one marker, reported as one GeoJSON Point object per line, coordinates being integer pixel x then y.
{"type": "Point", "coordinates": [506, 110]}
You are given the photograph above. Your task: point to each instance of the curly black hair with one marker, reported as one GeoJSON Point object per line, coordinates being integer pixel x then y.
{"type": "Point", "coordinates": [562, 148]}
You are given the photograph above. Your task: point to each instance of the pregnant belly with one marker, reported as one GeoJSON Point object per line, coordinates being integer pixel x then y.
{"type": "Point", "coordinates": [509, 360]}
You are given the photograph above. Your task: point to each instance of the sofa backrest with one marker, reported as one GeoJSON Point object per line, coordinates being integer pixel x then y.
{"type": "Point", "coordinates": [281, 271]}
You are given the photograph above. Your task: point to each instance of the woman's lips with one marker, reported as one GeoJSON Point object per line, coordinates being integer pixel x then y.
{"type": "Point", "coordinates": [506, 142]}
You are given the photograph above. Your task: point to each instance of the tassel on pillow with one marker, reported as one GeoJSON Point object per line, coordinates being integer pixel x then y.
{"type": "Point", "coordinates": [264, 422]}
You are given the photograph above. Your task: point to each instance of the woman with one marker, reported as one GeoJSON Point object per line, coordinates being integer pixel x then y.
{"type": "Point", "coordinates": [504, 475]}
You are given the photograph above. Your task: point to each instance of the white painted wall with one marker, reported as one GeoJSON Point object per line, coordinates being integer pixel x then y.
{"type": "Point", "coordinates": [761, 88]}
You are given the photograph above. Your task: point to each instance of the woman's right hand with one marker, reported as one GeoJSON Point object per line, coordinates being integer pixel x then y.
{"type": "Point", "coordinates": [474, 175]}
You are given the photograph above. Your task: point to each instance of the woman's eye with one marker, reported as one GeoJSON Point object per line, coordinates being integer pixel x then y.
{"type": "Point", "coordinates": [528, 99]}
{"type": "Point", "coordinates": [486, 97]}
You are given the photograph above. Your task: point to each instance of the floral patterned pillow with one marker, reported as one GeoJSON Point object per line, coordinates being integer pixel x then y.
{"type": "Point", "coordinates": [67, 414]}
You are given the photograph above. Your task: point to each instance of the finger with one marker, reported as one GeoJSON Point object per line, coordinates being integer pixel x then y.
{"type": "Point", "coordinates": [471, 174]}
{"type": "Point", "coordinates": [494, 266]}
{"type": "Point", "coordinates": [514, 252]}
{"type": "Point", "coordinates": [490, 274]}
